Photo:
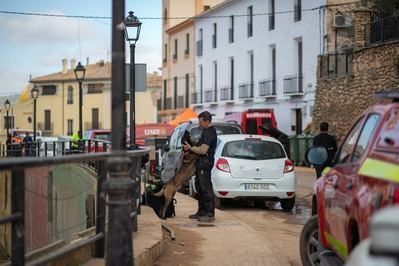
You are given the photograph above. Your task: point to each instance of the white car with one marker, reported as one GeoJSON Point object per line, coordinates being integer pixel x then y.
{"type": "Point", "coordinates": [253, 167]}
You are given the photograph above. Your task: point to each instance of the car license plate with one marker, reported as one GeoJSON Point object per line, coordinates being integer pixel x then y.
{"type": "Point", "coordinates": [257, 186]}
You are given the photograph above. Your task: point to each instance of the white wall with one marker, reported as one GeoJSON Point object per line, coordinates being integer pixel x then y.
{"type": "Point", "coordinates": [283, 37]}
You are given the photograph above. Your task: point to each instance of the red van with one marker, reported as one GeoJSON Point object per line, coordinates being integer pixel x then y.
{"type": "Point", "coordinates": [251, 119]}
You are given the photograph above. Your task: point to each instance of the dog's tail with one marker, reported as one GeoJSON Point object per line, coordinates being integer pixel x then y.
{"type": "Point", "coordinates": [160, 193]}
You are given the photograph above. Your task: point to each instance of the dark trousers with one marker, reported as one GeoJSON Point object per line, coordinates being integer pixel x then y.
{"type": "Point", "coordinates": [206, 196]}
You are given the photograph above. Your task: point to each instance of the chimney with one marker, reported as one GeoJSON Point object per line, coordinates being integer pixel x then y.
{"type": "Point", "coordinates": [64, 66]}
{"type": "Point", "coordinates": [87, 61]}
{"type": "Point", "coordinates": [73, 64]}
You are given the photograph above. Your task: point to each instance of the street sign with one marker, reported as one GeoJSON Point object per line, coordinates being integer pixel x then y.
{"type": "Point", "coordinates": [141, 77]}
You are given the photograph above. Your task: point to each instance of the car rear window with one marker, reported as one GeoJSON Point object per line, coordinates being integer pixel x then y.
{"type": "Point", "coordinates": [196, 132]}
{"type": "Point", "coordinates": [253, 150]}
{"type": "Point", "coordinates": [103, 136]}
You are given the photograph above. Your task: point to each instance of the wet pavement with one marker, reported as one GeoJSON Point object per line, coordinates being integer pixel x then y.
{"type": "Point", "coordinates": [279, 228]}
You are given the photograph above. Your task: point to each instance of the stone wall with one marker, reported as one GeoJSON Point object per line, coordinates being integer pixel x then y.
{"type": "Point", "coordinates": [340, 99]}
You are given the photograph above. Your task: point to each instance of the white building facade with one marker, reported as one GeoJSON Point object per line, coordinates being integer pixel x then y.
{"type": "Point", "coordinates": [258, 54]}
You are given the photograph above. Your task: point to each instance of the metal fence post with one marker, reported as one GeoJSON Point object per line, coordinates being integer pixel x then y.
{"type": "Point", "coordinates": [119, 233]}
{"type": "Point", "coordinates": [100, 209]}
{"type": "Point", "coordinates": [18, 226]}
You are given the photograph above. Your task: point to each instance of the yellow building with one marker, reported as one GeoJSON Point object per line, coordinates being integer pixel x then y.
{"type": "Point", "coordinates": [178, 64]}
{"type": "Point", "coordinates": [58, 102]}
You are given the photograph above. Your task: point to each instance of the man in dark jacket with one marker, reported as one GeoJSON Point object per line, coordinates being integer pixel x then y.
{"type": "Point", "coordinates": [328, 141]}
{"type": "Point", "coordinates": [203, 167]}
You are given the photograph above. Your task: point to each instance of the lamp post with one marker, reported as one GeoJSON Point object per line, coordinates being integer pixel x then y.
{"type": "Point", "coordinates": [34, 93]}
{"type": "Point", "coordinates": [80, 72]}
{"type": "Point", "coordinates": [7, 105]}
{"type": "Point", "coordinates": [132, 34]}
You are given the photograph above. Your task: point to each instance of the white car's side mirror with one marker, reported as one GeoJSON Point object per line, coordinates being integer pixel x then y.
{"type": "Point", "coordinates": [384, 233]}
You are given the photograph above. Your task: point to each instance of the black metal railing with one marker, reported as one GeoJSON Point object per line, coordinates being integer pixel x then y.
{"type": "Point", "coordinates": [210, 95]}
{"type": "Point", "coordinates": [384, 27]}
{"type": "Point", "coordinates": [101, 162]}
{"type": "Point", "coordinates": [336, 64]}
{"type": "Point", "coordinates": [293, 85]}
{"type": "Point", "coordinates": [267, 88]}
{"type": "Point", "coordinates": [180, 101]}
{"type": "Point", "coordinates": [168, 103]}
{"type": "Point", "coordinates": [226, 94]}
{"type": "Point", "coordinates": [231, 35]}
{"type": "Point", "coordinates": [246, 91]}
{"type": "Point", "coordinates": [196, 98]}
{"type": "Point", "coordinates": [199, 47]}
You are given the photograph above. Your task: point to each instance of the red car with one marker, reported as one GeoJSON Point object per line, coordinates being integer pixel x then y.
{"type": "Point", "coordinates": [364, 177]}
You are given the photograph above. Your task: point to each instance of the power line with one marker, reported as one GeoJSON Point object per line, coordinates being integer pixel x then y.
{"type": "Point", "coordinates": [177, 18]}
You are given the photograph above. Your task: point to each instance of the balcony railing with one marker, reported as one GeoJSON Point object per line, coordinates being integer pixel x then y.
{"type": "Point", "coordinates": [336, 64]}
{"type": "Point", "coordinates": [246, 91]}
{"type": "Point", "coordinates": [231, 35]}
{"type": "Point", "coordinates": [267, 88]}
{"type": "Point", "coordinates": [226, 94]}
{"type": "Point", "coordinates": [180, 101]}
{"type": "Point", "coordinates": [210, 95]}
{"type": "Point", "coordinates": [196, 98]}
{"type": "Point", "coordinates": [384, 28]}
{"type": "Point", "coordinates": [168, 103]}
{"type": "Point", "coordinates": [293, 85]}
{"type": "Point", "coordinates": [199, 48]}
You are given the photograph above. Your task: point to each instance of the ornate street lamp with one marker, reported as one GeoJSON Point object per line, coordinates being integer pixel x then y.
{"type": "Point", "coordinates": [7, 105]}
{"type": "Point", "coordinates": [132, 34]}
{"type": "Point", "coordinates": [80, 73]}
{"type": "Point", "coordinates": [34, 93]}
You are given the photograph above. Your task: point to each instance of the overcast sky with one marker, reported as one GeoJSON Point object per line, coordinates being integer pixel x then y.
{"type": "Point", "coordinates": [34, 45]}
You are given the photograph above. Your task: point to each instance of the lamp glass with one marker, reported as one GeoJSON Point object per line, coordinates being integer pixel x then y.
{"type": "Point", "coordinates": [80, 72]}
{"type": "Point", "coordinates": [34, 92]}
{"type": "Point", "coordinates": [7, 105]}
{"type": "Point", "coordinates": [133, 27]}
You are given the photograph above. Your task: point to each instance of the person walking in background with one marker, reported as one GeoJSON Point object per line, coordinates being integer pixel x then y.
{"type": "Point", "coordinates": [16, 145]}
{"type": "Point", "coordinates": [75, 141]}
{"type": "Point", "coordinates": [203, 167]}
{"type": "Point", "coordinates": [28, 144]}
{"type": "Point", "coordinates": [9, 145]}
{"type": "Point", "coordinates": [328, 141]}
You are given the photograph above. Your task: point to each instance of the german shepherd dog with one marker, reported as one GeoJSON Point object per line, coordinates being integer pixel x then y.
{"type": "Point", "coordinates": [186, 170]}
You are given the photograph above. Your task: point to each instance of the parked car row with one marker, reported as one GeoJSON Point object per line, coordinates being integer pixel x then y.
{"type": "Point", "coordinates": [364, 178]}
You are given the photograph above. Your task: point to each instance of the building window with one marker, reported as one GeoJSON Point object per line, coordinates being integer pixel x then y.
{"type": "Point", "coordinates": [232, 77]}
{"type": "Point", "coordinates": [231, 30]}
{"type": "Point", "coordinates": [187, 51]}
{"type": "Point", "coordinates": [250, 20]}
{"type": "Point", "coordinates": [165, 16]}
{"type": "Point", "coordinates": [214, 36]}
{"type": "Point", "coordinates": [47, 120]}
{"type": "Point", "coordinates": [201, 70]}
{"type": "Point", "coordinates": [187, 89]}
{"type": "Point", "coordinates": [165, 56]}
{"type": "Point", "coordinates": [165, 93]}
{"type": "Point", "coordinates": [9, 121]}
{"type": "Point", "coordinates": [175, 91]}
{"type": "Point", "coordinates": [49, 90]}
{"type": "Point", "coordinates": [199, 43]}
{"type": "Point", "coordinates": [70, 95]}
{"type": "Point", "coordinates": [95, 88]}
{"type": "Point", "coordinates": [70, 127]}
{"type": "Point", "coordinates": [251, 68]}
{"type": "Point", "coordinates": [94, 119]}
{"type": "Point", "coordinates": [175, 53]}
{"type": "Point", "coordinates": [215, 80]}
{"type": "Point", "coordinates": [272, 15]}
{"type": "Point", "coordinates": [297, 10]}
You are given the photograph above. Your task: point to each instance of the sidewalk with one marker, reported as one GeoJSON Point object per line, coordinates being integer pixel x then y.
{"type": "Point", "coordinates": [148, 242]}
{"type": "Point", "coordinates": [229, 242]}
